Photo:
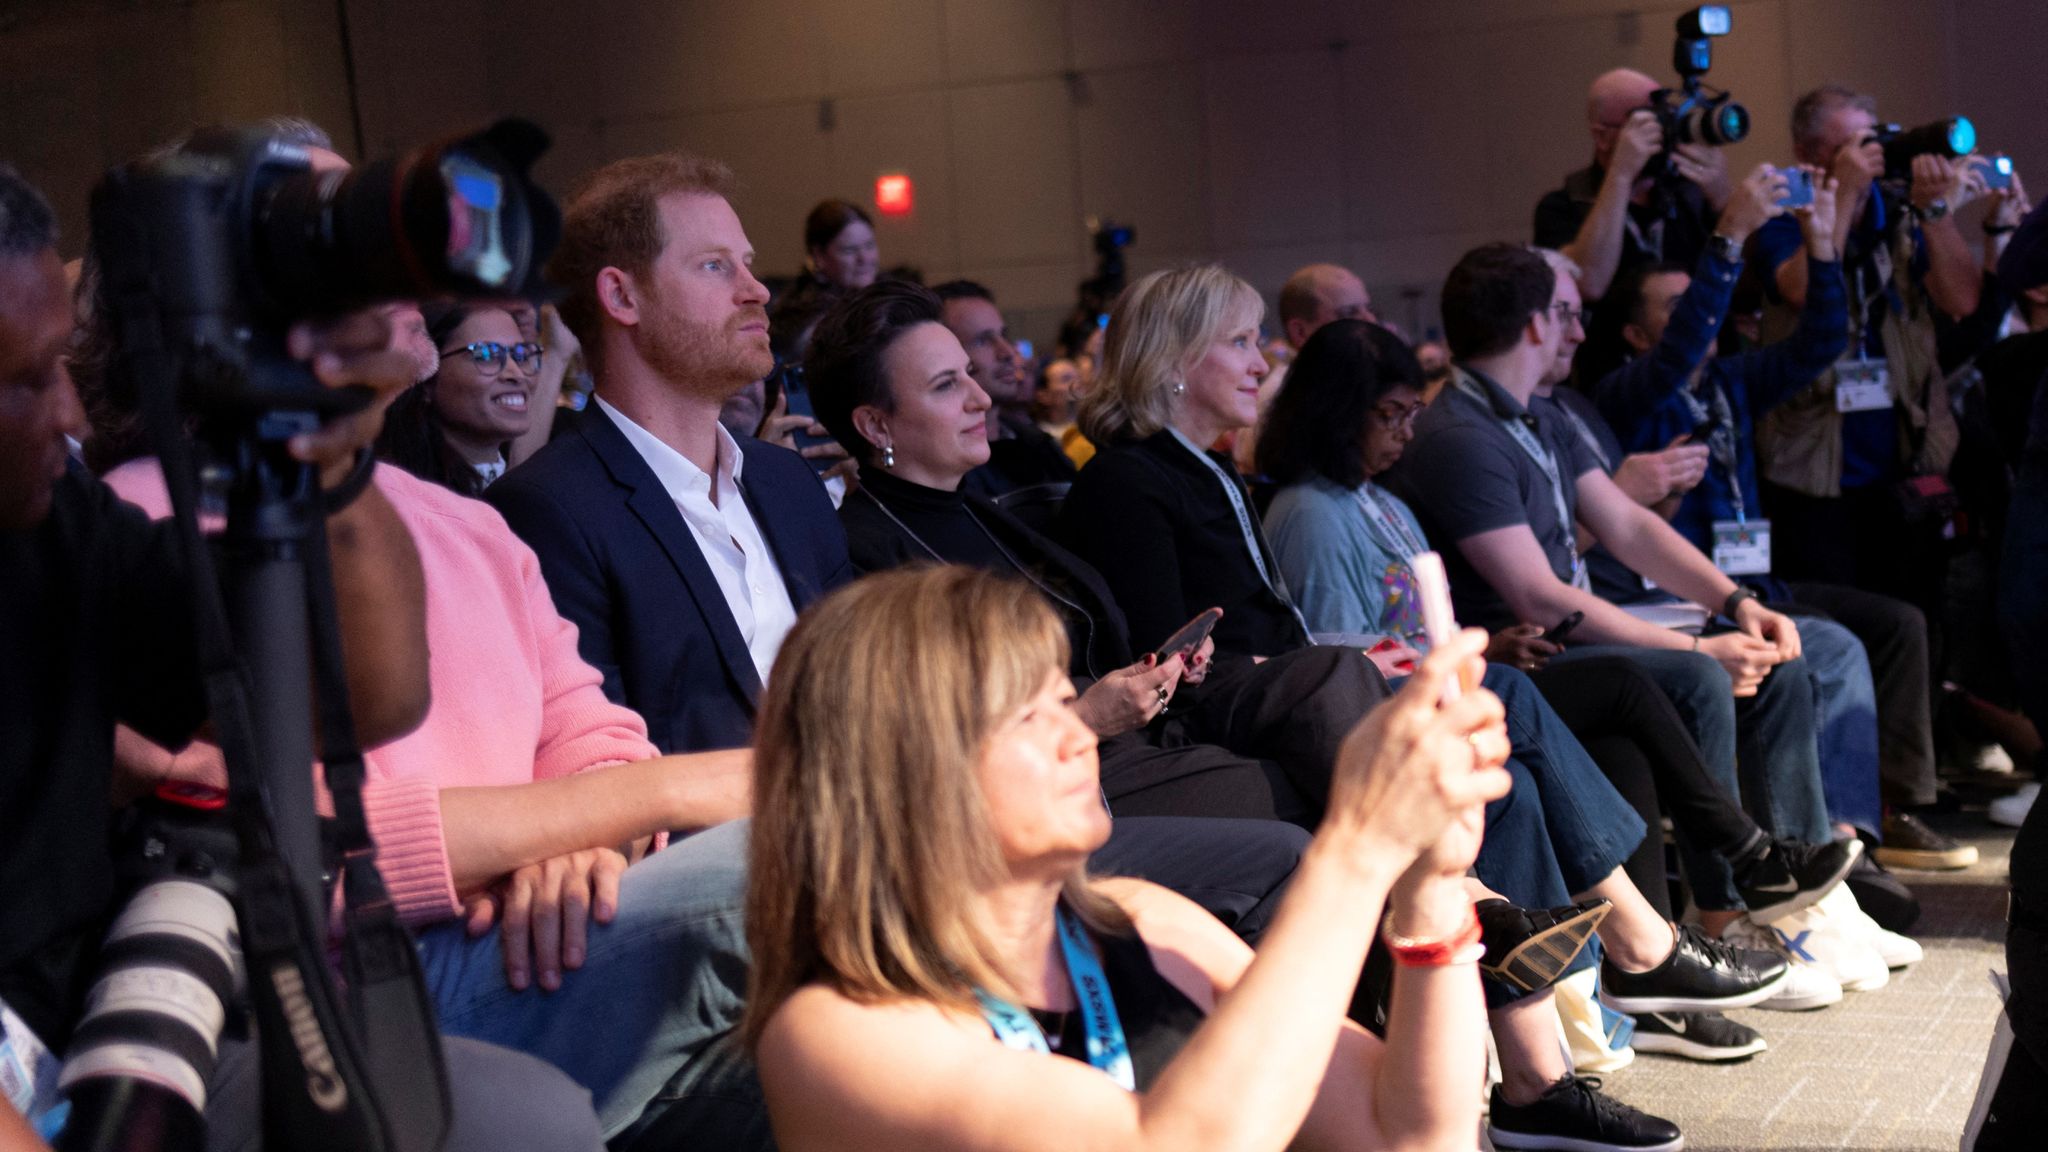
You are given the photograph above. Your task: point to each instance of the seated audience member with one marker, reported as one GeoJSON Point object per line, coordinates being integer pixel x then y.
{"type": "Point", "coordinates": [499, 822]}
{"type": "Point", "coordinates": [1312, 297]}
{"type": "Point", "coordinates": [1052, 405]}
{"type": "Point", "coordinates": [1021, 454]}
{"type": "Point", "coordinates": [1170, 528]}
{"type": "Point", "coordinates": [888, 374]}
{"type": "Point", "coordinates": [1676, 388]}
{"type": "Point", "coordinates": [682, 553]}
{"type": "Point", "coordinates": [554, 385]}
{"type": "Point", "coordinates": [1620, 210]}
{"type": "Point", "coordinates": [93, 590]}
{"type": "Point", "coordinates": [1505, 482]}
{"type": "Point", "coordinates": [840, 256]}
{"type": "Point", "coordinates": [454, 428]}
{"type": "Point", "coordinates": [1344, 545]}
{"type": "Point", "coordinates": [957, 980]}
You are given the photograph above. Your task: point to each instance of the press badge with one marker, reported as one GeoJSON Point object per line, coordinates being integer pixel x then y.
{"type": "Point", "coordinates": [28, 1076]}
{"type": "Point", "coordinates": [1862, 386]}
{"type": "Point", "coordinates": [1742, 547]}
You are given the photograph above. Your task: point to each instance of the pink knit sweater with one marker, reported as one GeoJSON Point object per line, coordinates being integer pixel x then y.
{"type": "Point", "coordinates": [513, 702]}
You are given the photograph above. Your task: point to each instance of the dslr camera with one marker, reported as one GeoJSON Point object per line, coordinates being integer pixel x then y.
{"type": "Point", "coordinates": [1693, 113]}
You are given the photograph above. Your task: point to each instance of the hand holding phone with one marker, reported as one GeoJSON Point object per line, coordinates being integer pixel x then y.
{"type": "Point", "coordinates": [1439, 623]}
{"type": "Point", "coordinates": [1184, 642]}
{"type": "Point", "coordinates": [1798, 187]}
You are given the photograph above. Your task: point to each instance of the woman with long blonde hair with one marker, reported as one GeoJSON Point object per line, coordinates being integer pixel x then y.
{"type": "Point", "coordinates": [934, 968]}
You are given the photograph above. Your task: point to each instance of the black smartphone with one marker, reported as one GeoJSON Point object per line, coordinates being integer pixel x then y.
{"type": "Point", "coordinates": [1564, 627]}
{"type": "Point", "coordinates": [1798, 188]}
{"type": "Point", "coordinates": [1184, 642]}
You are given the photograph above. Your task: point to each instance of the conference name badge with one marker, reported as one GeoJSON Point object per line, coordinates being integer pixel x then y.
{"type": "Point", "coordinates": [1862, 386]}
{"type": "Point", "coordinates": [1742, 547]}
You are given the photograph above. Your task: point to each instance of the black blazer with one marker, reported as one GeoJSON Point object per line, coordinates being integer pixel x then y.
{"type": "Point", "coordinates": [624, 568]}
{"type": "Point", "coordinates": [1157, 525]}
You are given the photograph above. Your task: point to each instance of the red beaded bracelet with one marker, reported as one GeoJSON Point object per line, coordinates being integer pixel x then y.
{"type": "Point", "coordinates": [1463, 948]}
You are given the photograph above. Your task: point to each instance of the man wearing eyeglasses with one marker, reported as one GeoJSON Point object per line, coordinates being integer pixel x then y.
{"type": "Point", "coordinates": [1616, 212]}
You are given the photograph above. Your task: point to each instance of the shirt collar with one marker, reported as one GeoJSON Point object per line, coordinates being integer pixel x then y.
{"type": "Point", "coordinates": [675, 471]}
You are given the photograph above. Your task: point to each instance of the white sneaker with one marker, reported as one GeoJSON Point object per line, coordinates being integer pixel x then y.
{"type": "Point", "coordinates": [1814, 936]}
{"type": "Point", "coordinates": [1806, 985]}
{"type": "Point", "coordinates": [2011, 811]}
{"type": "Point", "coordinates": [1897, 951]}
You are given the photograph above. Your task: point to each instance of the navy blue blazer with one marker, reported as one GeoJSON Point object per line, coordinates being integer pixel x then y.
{"type": "Point", "coordinates": [624, 568]}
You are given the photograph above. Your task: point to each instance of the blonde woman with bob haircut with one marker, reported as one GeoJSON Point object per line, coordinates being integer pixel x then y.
{"type": "Point", "coordinates": [934, 969]}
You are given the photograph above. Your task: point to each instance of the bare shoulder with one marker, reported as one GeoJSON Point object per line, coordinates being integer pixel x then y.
{"type": "Point", "coordinates": [1190, 947]}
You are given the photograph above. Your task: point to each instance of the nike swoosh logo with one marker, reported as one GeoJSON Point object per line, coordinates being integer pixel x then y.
{"type": "Point", "coordinates": [1677, 1024]}
{"type": "Point", "coordinates": [1781, 886]}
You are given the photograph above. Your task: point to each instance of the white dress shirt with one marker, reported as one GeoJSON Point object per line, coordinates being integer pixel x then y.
{"type": "Point", "coordinates": [726, 534]}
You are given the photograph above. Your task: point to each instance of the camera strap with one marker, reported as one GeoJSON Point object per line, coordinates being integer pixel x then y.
{"type": "Point", "coordinates": [387, 990]}
{"type": "Point", "coordinates": [316, 1095]}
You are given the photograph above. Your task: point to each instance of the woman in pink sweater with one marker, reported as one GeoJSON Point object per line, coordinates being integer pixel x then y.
{"type": "Point", "coordinates": [505, 823]}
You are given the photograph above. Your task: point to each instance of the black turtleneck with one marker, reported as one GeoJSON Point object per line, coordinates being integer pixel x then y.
{"type": "Point", "coordinates": [890, 522]}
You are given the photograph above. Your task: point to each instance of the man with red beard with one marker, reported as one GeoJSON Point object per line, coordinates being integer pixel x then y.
{"type": "Point", "coordinates": [652, 522]}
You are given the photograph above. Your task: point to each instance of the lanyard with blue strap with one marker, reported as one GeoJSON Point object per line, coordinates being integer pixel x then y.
{"type": "Point", "coordinates": [1107, 1049]}
{"type": "Point", "coordinates": [1547, 462]}
{"type": "Point", "coordinates": [1252, 543]}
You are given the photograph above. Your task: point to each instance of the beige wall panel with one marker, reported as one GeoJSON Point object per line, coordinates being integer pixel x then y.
{"type": "Point", "coordinates": [1120, 33]}
{"type": "Point", "coordinates": [1013, 173]}
{"type": "Point", "coordinates": [1275, 165]}
{"type": "Point", "coordinates": [1032, 289]}
{"type": "Point", "coordinates": [1004, 39]}
{"type": "Point", "coordinates": [1418, 123]}
{"type": "Point", "coordinates": [666, 56]}
{"type": "Point", "coordinates": [1231, 27]}
{"type": "Point", "coordinates": [904, 133]}
{"type": "Point", "coordinates": [1142, 157]}
{"type": "Point", "coordinates": [882, 45]}
{"type": "Point", "coordinates": [1897, 49]}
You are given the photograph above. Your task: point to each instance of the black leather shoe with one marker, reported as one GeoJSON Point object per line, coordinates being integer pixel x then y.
{"type": "Point", "coordinates": [1575, 1116]}
{"type": "Point", "coordinates": [1700, 975]}
{"type": "Point", "coordinates": [1910, 843]}
{"type": "Point", "coordinates": [1793, 876]}
{"type": "Point", "coordinates": [1530, 947]}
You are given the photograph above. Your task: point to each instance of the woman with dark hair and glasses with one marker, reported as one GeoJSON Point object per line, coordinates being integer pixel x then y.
{"type": "Point", "coordinates": [454, 428]}
{"type": "Point", "coordinates": [1343, 545]}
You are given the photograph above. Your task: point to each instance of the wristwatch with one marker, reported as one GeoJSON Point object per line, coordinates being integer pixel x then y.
{"type": "Point", "coordinates": [1735, 600]}
{"type": "Point", "coordinates": [1727, 249]}
{"type": "Point", "coordinates": [1935, 210]}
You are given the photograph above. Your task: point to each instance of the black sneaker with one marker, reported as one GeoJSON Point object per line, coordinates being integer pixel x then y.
{"type": "Point", "coordinates": [1707, 1036]}
{"type": "Point", "coordinates": [1700, 975]}
{"type": "Point", "coordinates": [1882, 896]}
{"type": "Point", "coordinates": [1792, 876]}
{"type": "Point", "coordinates": [1528, 948]}
{"type": "Point", "coordinates": [1573, 1115]}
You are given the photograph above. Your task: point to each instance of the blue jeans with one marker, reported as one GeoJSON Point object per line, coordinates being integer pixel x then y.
{"type": "Point", "coordinates": [1763, 748]}
{"type": "Point", "coordinates": [1562, 828]}
{"type": "Point", "coordinates": [1845, 696]}
{"type": "Point", "coordinates": [660, 986]}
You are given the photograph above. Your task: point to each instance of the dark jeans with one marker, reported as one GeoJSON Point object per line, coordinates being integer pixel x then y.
{"type": "Point", "coordinates": [1894, 636]}
{"type": "Point", "coordinates": [1236, 869]}
{"type": "Point", "coordinates": [1293, 710]}
{"type": "Point", "coordinates": [1142, 779]}
{"type": "Point", "coordinates": [1763, 748]}
{"type": "Point", "coordinates": [1859, 539]}
{"type": "Point", "coordinates": [1638, 739]}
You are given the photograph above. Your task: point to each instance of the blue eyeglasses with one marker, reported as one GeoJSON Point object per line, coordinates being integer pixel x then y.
{"type": "Point", "coordinates": [490, 357]}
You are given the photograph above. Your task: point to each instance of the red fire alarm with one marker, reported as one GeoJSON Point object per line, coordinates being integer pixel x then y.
{"type": "Point", "coordinates": [893, 194]}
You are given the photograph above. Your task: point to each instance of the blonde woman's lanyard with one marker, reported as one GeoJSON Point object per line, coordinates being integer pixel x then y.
{"type": "Point", "coordinates": [1547, 461]}
{"type": "Point", "coordinates": [1393, 531]}
{"type": "Point", "coordinates": [1244, 525]}
{"type": "Point", "coordinates": [1107, 1049]}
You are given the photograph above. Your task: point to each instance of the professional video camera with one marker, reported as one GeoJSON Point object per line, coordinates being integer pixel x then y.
{"type": "Point", "coordinates": [205, 256]}
{"type": "Point", "coordinates": [1692, 112]}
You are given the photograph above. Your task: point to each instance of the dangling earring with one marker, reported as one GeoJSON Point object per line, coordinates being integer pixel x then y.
{"type": "Point", "coordinates": [888, 456]}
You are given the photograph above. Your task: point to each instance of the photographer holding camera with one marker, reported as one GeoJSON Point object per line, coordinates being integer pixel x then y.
{"type": "Point", "coordinates": [1852, 469]}
{"type": "Point", "coordinates": [1633, 205]}
{"type": "Point", "coordinates": [100, 630]}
